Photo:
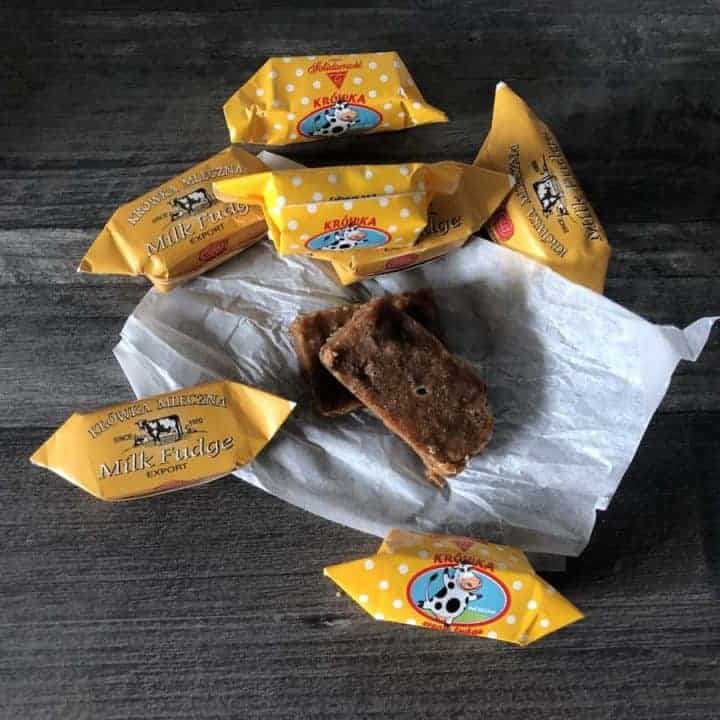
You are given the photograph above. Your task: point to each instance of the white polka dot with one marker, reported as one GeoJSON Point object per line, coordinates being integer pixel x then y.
{"type": "Point", "coordinates": [387, 106]}
{"type": "Point", "coordinates": [332, 178]}
{"type": "Point", "coordinates": [295, 246]}
{"type": "Point", "coordinates": [523, 638]}
{"type": "Point", "coordinates": [286, 59]}
{"type": "Point", "coordinates": [259, 92]}
{"type": "Point", "coordinates": [397, 604]}
{"type": "Point", "coordinates": [311, 57]}
{"type": "Point", "coordinates": [510, 619]}
{"type": "Point", "coordinates": [544, 623]}
{"type": "Point", "coordinates": [289, 87]}
{"type": "Point", "coordinates": [291, 116]}
{"type": "Point", "coordinates": [402, 569]}
{"type": "Point", "coordinates": [517, 585]}
{"type": "Point", "coordinates": [417, 198]}
{"type": "Point", "coordinates": [396, 63]}
{"type": "Point", "coordinates": [372, 65]}
{"type": "Point", "coordinates": [368, 174]}
{"type": "Point", "coordinates": [383, 78]}
{"type": "Point", "coordinates": [492, 635]}
{"type": "Point", "coordinates": [311, 208]}
{"type": "Point", "coordinates": [389, 189]}
{"type": "Point", "coordinates": [384, 202]}
{"type": "Point", "coordinates": [299, 72]}
{"type": "Point", "coordinates": [484, 551]}
{"type": "Point", "coordinates": [369, 564]}
{"type": "Point", "coordinates": [386, 124]}
{"type": "Point", "coordinates": [357, 80]}
{"type": "Point", "coordinates": [305, 101]}
{"type": "Point", "coordinates": [514, 558]}
{"type": "Point", "coordinates": [532, 605]}
{"type": "Point", "coordinates": [398, 239]}
{"type": "Point", "coordinates": [401, 114]}
{"type": "Point", "coordinates": [404, 170]}
{"type": "Point", "coordinates": [383, 584]}
{"type": "Point", "coordinates": [393, 229]}
{"type": "Point", "coordinates": [372, 93]}
{"type": "Point", "coordinates": [293, 136]}
{"type": "Point", "coordinates": [379, 616]}
{"type": "Point", "coordinates": [276, 103]}
{"type": "Point", "coordinates": [347, 205]}
{"type": "Point", "coordinates": [502, 566]}
{"type": "Point", "coordinates": [417, 105]}
{"type": "Point", "coordinates": [272, 74]}
{"type": "Point", "coordinates": [293, 225]}
{"type": "Point", "coordinates": [404, 212]}
{"type": "Point", "coordinates": [423, 553]}
{"type": "Point", "coordinates": [277, 126]}
{"type": "Point", "coordinates": [363, 598]}
{"type": "Point", "coordinates": [410, 621]}
{"type": "Point", "coordinates": [316, 84]}
{"type": "Point", "coordinates": [297, 181]}
{"type": "Point", "coordinates": [281, 201]}
{"type": "Point", "coordinates": [317, 196]}
{"type": "Point", "coordinates": [304, 237]}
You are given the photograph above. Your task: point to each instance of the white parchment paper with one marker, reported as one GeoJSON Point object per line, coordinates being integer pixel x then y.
{"type": "Point", "coordinates": [573, 380]}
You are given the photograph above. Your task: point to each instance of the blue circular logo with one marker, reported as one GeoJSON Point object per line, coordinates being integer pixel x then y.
{"type": "Point", "coordinates": [458, 594]}
{"type": "Point", "coordinates": [350, 237]}
{"type": "Point", "coordinates": [339, 119]}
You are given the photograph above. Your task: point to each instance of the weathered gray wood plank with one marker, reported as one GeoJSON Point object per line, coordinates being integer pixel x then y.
{"type": "Point", "coordinates": [210, 603]}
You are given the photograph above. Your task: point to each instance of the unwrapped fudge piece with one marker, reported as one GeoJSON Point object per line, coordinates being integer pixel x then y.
{"type": "Point", "coordinates": [403, 373]}
{"type": "Point", "coordinates": [309, 333]}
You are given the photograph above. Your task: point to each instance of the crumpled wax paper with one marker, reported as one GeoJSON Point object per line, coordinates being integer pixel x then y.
{"type": "Point", "coordinates": [573, 381]}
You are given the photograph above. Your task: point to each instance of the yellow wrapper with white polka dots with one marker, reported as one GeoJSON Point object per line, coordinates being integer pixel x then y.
{"type": "Point", "coordinates": [368, 210]}
{"type": "Point", "coordinates": [451, 221]}
{"type": "Point", "coordinates": [296, 99]}
{"type": "Point", "coordinates": [456, 584]}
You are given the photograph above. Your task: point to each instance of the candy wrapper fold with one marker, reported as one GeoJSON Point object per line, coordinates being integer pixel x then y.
{"type": "Point", "coordinates": [547, 216]}
{"type": "Point", "coordinates": [456, 584]}
{"type": "Point", "coordinates": [298, 99]}
{"type": "Point", "coordinates": [365, 210]}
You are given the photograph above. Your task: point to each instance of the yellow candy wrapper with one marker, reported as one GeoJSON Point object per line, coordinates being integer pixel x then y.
{"type": "Point", "coordinates": [547, 217]}
{"type": "Point", "coordinates": [179, 229]}
{"type": "Point", "coordinates": [166, 442]}
{"type": "Point", "coordinates": [456, 584]}
{"type": "Point", "coordinates": [325, 212]}
{"type": "Point", "coordinates": [452, 218]}
{"type": "Point", "coordinates": [296, 99]}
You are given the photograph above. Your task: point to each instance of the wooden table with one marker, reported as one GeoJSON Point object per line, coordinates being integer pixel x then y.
{"type": "Point", "coordinates": [210, 603]}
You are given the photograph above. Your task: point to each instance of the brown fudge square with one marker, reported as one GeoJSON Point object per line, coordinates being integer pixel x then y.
{"type": "Point", "coordinates": [309, 333]}
{"type": "Point", "coordinates": [400, 371]}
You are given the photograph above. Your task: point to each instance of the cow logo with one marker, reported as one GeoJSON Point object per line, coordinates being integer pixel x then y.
{"type": "Point", "coordinates": [338, 119]}
{"type": "Point", "coordinates": [549, 191]}
{"type": "Point", "coordinates": [337, 78]}
{"type": "Point", "coordinates": [458, 594]}
{"type": "Point", "coordinates": [191, 203]}
{"type": "Point", "coordinates": [213, 250]}
{"type": "Point", "coordinates": [350, 237]}
{"type": "Point", "coordinates": [159, 431]}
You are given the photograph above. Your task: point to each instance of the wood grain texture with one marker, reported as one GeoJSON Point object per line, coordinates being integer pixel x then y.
{"type": "Point", "coordinates": [210, 603]}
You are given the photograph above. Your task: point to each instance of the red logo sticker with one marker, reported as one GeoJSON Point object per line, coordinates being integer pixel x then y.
{"type": "Point", "coordinates": [503, 225]}
{"type": "Point", "coordinates": [213, 250]}
{"type": "Point", "coordinates": [402, 261]}
{"type": "Point", "coordinates": [338, 77]}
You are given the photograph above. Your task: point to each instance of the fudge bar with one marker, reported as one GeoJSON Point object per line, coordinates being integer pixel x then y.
{"type": "Point", "coordinates": [403, 374]}
{"type": "Point", "coordinates": [309, 333]}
